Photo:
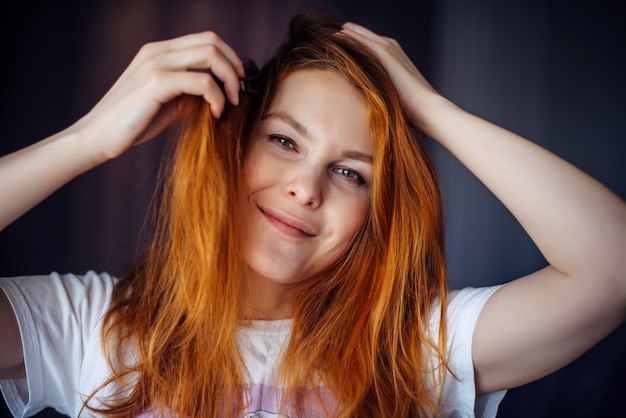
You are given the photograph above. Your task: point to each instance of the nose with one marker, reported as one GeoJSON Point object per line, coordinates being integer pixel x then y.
{"type": "Point", "coordinates": [306, 189]}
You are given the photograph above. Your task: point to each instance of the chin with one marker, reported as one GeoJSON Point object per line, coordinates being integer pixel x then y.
{"type": "Point", "coordinates": [276, 274]}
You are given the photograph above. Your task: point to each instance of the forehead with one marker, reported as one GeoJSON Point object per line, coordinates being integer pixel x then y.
{"type": "Point", "coordinates": [309, 79]}
{"type": "Point", "coordinates": [326, 104]}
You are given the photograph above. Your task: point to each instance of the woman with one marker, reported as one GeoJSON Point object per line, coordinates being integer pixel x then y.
{"type": "Point", "coordinates": [307, 218]}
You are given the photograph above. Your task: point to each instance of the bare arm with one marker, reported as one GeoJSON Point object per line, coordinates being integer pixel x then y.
{"type": "Point", "coordinates": [538, 323]}
{"type": "Point", "coordinates": [149, 96]}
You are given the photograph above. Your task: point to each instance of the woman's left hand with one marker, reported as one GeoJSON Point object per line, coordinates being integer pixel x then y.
{"type": "Point", "coordinates": [415, 91]}
{"type": "Point", "coordinates": [577, 223]}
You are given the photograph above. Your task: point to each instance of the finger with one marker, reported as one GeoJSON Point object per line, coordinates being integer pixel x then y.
{"type": "Point", "coordinates": [171, 113]}
{"type": "Point", "coordinates": [203, 57]}
{"type": "Point", "coordinates": [381, 45]}
{"type": "Point", "coordinates": [174, 84]}
{"type": "Point", "coordinates": [231, 55]}
{"type": "Point", "coordinates": [361, 30]}
{"type": "Point", "coordinates": [362, 35]}
{"type": "Point", "coordinates": [151, 50]}
{"type": "Point", "coordinates": [156, 50]}
{"type": "Point", "coordinates": [211, 92]}
{"type": "Point", "coordinates": [200, 39]}
{"type": "Point", "coordinates": [358, 36]}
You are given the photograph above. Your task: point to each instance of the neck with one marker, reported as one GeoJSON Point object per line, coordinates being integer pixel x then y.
{"type": "Point", "coordinates": [266, 299]}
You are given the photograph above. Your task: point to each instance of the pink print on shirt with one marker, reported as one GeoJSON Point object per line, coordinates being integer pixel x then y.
{"type": "Point", "coordinates": [265, 402]}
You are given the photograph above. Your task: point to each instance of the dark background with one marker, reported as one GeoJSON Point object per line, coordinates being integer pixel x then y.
{"type": "Point", "coordinates": [552, 71]}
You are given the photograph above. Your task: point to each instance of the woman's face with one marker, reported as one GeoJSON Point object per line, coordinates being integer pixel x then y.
{"type": "Point", "coordinates": [307, 177]}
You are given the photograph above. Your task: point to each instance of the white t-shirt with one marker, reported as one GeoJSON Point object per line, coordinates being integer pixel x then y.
{"type": "Point", "coordinates": [60, 320]}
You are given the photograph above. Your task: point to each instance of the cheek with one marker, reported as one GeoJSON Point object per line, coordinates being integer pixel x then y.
{"type": "Point", "coordinates": [258, 169]}
{"type": "Point", "coordinates": [349, 219]}
{"type": "Point", "coordinates": [251, 173]}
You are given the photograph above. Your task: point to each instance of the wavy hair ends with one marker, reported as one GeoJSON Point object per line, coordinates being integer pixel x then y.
{"type": "Point", "coordinates": [361, 326]}
{"type": "Point", "coordinates": [182, 297]}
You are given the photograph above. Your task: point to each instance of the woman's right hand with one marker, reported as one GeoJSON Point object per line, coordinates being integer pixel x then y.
{"type": "Point", "coordinates": [149, 96]}
{"type": "Point", "coordinates": [153, 91]}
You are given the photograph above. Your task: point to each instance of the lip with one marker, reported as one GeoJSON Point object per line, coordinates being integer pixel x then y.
{"type": "Point", "coordinates": [287, 224]}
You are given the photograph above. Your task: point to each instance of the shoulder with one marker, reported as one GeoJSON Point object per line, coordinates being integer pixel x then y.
{"type": "Point", "coordinates": [459, 396]}
{"type": "Point", "coordinates": [60, 318]}
{"type": "Point", "coordinates": [83, 298]}
{"type": "Point", "coordinates": [462, 309]}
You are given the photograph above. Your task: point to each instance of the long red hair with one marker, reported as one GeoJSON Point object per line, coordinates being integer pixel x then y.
{"type": "Point", "coordinates": [360, 327]}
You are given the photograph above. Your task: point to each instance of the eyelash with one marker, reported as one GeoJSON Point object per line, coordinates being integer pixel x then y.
{"type": "Point", "coordinates": [349, 174]}
{"type": "Point", "coordinates": [282, 141]}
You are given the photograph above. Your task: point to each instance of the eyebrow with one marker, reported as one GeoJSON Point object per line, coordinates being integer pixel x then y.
{"type": "Point", "coordinates": [359, 156]}
{"type": "Point", "coordinates": [302, 130]}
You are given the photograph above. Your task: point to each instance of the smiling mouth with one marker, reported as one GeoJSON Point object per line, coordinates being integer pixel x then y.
{"type": "Point", "coordinates": [286, 225]}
